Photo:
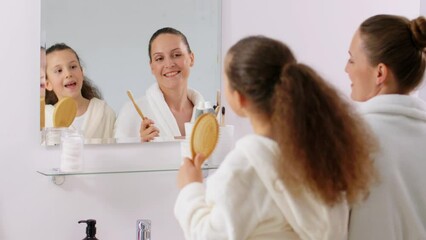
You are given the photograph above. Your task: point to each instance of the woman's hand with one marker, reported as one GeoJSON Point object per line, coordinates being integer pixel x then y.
{"type": "Point", "coordinates": [147, 130]}
{"type": "Point", "coordinates": [190, 171]}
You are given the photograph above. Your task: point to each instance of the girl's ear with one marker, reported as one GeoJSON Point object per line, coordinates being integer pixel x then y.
{"type": "Point", "coordinates": [240, 103]}
{"type": "Point", "coordinates": [242, 100]}
{"type": "Point", "coordinates": [49, 85]}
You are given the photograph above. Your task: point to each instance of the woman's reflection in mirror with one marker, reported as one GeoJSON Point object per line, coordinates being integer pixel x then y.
{"type": "Point", "coordinates": [65, 78]}
{"type": "Point", "coordinates": [168, 103]}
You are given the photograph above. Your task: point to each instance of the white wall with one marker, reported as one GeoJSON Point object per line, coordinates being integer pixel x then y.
{"type": "Point", "coordinates": [318, 32]}
{"type": "Point", "coordinates": [31, 206]}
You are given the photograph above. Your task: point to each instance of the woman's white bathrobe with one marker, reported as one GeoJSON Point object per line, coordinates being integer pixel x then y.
{"type": "Point", "coordinates": [244, 199]}
{"type": "Point", "coordinates": [154, 107]}
{"type": "Point", "coordinates": [396, 207]}
{"type": "Point", "coordinates": [98, 122]}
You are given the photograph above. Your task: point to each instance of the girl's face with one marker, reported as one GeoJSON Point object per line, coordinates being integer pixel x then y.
{"type": "Point", "coordinates": [361, 73]}
{"type": "Point", "coordinates": [171, 61]}
{"type": "Point", "coordinates": [64, 74]}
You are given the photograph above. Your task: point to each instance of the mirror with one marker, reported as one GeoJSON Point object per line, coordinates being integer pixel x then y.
{"type": "Point", "coordinates": [111, 38]}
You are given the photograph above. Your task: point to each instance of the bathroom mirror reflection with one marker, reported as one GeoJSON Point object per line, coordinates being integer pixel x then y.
{"type": "Point", "coordinates": [111, 39]}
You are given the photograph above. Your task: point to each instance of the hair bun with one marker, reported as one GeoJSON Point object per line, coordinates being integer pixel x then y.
{"type": "Point", "coordinates": [418, 30]}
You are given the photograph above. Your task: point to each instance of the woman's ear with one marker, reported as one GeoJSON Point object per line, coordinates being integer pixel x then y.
{"type": "Point", "coordinates": [192, 57]}
{"type": "Point", "coordinates": [381, 74]}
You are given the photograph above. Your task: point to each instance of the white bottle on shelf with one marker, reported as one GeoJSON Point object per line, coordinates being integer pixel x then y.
{"type": "Point", "coordinates": [72, 143]}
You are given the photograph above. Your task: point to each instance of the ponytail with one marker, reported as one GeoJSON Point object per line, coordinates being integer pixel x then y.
{"type": "Point", "coordinates": [323, 142]}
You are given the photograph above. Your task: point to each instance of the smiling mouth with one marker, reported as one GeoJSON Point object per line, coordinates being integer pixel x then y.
{"type": "Point", "coordinates": [171, 74]}
{"type": "Point", "coordinates": [71, 84]}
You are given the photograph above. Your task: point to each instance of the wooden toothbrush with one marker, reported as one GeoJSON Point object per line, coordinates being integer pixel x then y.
{"type": "Point", "coordinates": [218, 103]}
{"type": "Point", "coordinates": [129, 93]}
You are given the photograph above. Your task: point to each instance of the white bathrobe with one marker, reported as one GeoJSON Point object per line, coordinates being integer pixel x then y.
{"type": "Point", "coordinates": [98, 122]}
{"type": "Point", "coordinates": [244, 199]}
{"type": "Point", "coordinates": [396, 207]}
{"type": "Point", "coordinates": [154, 107]}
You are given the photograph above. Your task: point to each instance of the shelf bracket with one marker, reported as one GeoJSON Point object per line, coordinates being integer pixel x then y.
{"type": "Point", "coordinates": [58, 180]}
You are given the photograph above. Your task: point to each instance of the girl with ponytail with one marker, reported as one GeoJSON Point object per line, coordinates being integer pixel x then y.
{"type": "Point", "coordinates": [296, 176]}
{"type": "Point", "coordinates": [386, 64]}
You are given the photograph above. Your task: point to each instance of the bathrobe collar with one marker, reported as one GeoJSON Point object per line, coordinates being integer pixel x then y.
{"type": "Point", "coordinates": [395, 104]}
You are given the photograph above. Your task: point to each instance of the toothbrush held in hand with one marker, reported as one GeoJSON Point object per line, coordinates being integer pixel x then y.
{"type": "Point", "coordinates": [129, 93]}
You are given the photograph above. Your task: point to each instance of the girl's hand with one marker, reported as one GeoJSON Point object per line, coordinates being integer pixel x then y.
{"type": "Point", "coordinates": [147, 130]}
{"type": "Point", "coordinates": [190, 171]}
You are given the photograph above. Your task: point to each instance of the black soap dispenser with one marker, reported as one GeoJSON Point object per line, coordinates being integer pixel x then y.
{"type": "Point", "coordinates": [90, 229]}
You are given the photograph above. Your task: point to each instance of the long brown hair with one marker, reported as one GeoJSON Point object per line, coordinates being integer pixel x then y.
{"type": "Point", "coordinates": [324, 144]}
{"type": "Point", "coordinates": [88, 90]}
{"type": "Point", "coordinates": [399, 44]}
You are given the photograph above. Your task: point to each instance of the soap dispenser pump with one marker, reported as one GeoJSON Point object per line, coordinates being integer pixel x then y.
{"type": "Point", "coordinates": [90, 229]}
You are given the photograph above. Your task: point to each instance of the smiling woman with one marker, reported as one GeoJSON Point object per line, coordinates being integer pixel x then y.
{"type": "Point", "coordinates": [169, 102]}
{"type": "Point", "coordinates": [111, 38]}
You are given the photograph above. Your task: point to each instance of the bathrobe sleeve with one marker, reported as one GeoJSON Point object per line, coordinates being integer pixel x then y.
{"type": "Point", "coordinates": [228, 209]}
{"type": "Point", "coordinates": [245, 198]}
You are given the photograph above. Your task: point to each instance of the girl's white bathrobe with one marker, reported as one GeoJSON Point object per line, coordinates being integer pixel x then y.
{"type": "Point", "coordinates": [96, 124]}
{"type": "Point", "coordinates": [245, 199]}
{"type": "Point", "coordinates": [154, 107]}
{"type": "Point", "coordinates": [396, 206]}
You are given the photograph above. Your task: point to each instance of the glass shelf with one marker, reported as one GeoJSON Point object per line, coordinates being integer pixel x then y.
{"type": "Point", "coordinates": [57, 172]}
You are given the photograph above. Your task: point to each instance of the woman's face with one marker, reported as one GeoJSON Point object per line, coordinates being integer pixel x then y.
{"type": "Point", "coordinates": [171, 61]}
{"type": "Point", "coordinates": [360, 71]}
{"type": "Point", "coordinates": [42, 72]}
{"type": "Point", "coordinates": [64, 74]}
